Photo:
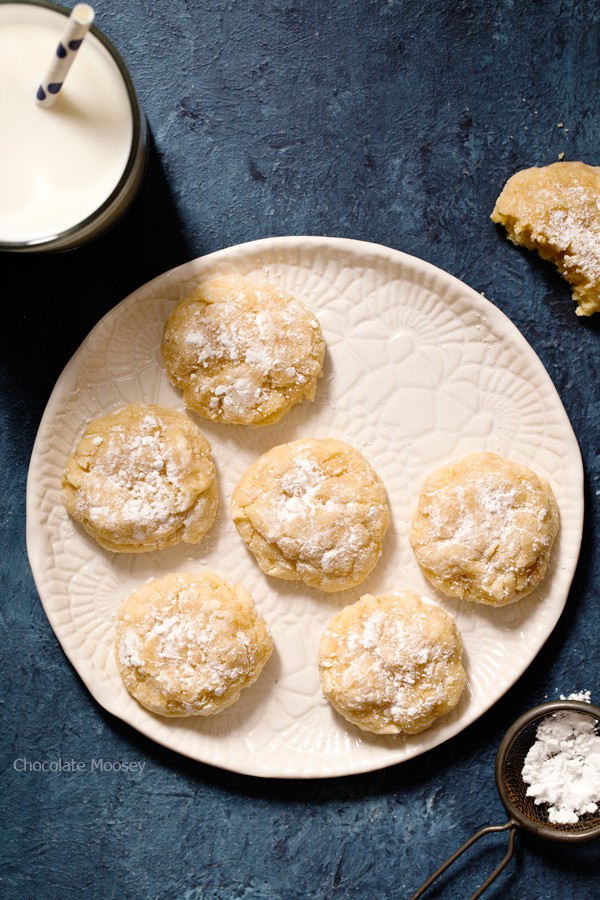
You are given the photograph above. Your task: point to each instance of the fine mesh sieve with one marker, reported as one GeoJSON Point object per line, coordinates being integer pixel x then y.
{"type": "Point", "coordinates": [523, 812]}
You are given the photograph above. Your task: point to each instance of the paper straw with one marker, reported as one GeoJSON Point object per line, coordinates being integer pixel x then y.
{"type": "Point", "coordinates": [78, 25]}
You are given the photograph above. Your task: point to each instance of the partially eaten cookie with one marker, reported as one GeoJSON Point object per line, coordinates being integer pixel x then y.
{"type": "Point", "coordinates": [555, 210]}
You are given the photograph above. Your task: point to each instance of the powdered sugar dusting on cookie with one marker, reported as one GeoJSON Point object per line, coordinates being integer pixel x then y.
{"type": "Point", "coordinates": [302, 478]}
{"type": "Point", "coordinates": [485, 510]}
{"type": "Point", "coordinates": [138, 480]}
{"type": "Point", "coordinates": [243, 352]}
{"type": "Point", "coordinates": [392, 663]}
{"type": "Point", "coordinates": [188, 648]}
{"type": "Point", "coordinates": [397, 658]}
{"type": "Point", "coordinates": [475, 521]}
{"type": "Point", "coordinates": [188, 644]}
{"type": "Point", "coordinates": [574, 228]}
{"type": "Point", "coordinates": [484, 528]}
{"type": "Point", "coordinates": [303, 521]}
{"type": "Point", "coordinates": [141, 477]}
{"type": "Point", "coordinates": [317, 511]}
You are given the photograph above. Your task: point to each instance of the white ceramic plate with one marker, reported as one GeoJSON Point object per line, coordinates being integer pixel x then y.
{"type": "Point", "coordinates": [420, 370]}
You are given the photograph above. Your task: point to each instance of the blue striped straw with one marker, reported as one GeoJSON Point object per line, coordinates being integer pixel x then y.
{"type": "Point", "coordinates": [78, 25]}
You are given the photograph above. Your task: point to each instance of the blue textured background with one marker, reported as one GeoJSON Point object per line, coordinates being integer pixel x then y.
{"type": "Point", "coordinates": [394, 122]}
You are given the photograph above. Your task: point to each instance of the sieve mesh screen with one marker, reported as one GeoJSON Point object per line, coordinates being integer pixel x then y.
{"type": "Point", "coordinates": [513, 789]}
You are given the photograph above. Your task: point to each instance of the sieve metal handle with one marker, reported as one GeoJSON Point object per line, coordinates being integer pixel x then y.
{"type": "Point", "coordinates": [510, 827]}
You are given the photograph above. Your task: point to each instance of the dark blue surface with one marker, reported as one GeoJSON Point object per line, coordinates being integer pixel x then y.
{"type": "Point", "coordinates": [393, 122]}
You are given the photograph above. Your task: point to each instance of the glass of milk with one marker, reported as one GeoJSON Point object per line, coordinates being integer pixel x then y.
{"type": "Point", "coordinates": [69, 172]}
